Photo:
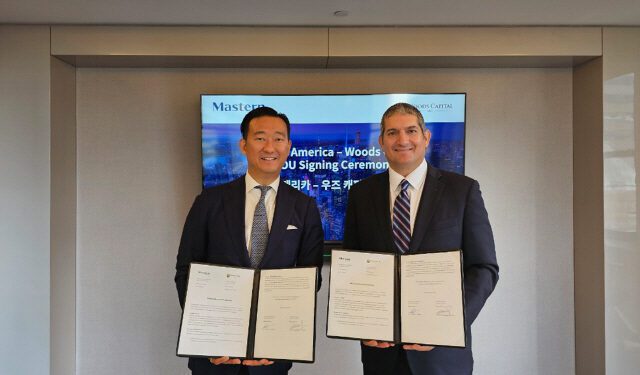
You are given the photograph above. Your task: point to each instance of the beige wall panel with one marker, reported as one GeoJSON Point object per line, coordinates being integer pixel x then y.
{"type": "Point", "coordinates": [465, 41]}
{"type": "Point", "coordinates": [621, 154]}
{"type": "Point", "coordinates": [519, 61]}
{"type": "Point", "coordinates": [621, 47]}
{"type": "Point", "coordinates": [281, 47]}
{"type": "Point", "coordinates": [588, 218]}
{"type": "Point", "coordinates": [188, 41]}
{"type": "Point", "coordinates": [196, 61]}
{"type": "Point", "coordinates": [139, 169]}
{"type": "Point", "coordinates": [63, 218]}
{"type": "Point", "coordinates": [24, 199]}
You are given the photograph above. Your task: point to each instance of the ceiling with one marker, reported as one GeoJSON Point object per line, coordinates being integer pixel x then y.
{"type": "Point", "coordinates": [321, 13]}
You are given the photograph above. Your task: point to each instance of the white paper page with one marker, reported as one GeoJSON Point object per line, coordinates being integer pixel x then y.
{"type": "Point", "coordinates": [431, 299]}
{"type": "Point", "coordinates": [361, 295]}
{"type": "Point", "coordinates": [216, 311]}
{"type": "Point", "coordinates": [286, 311]}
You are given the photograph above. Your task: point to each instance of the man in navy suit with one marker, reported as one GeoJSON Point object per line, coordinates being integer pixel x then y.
{"type": "Point", "coordinates": [254, 221]}
{"type": "Point", "coordinates": [436, 210]}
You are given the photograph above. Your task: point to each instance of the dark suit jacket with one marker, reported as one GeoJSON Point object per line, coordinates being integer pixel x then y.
{"type": "Point", "coordinates": [451, 215]}
{"type": "Point", "coordinates": [214, 233]}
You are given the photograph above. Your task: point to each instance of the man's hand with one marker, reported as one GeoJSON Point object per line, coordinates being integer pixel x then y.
{"type": "Point", "coordinates": [378, 344]}
{"type": "Point", "coordinates": [236, 361]}
{"type": "Point", "coordinates": [419, 348]}
{"type": "Point", "coordinates": [255, 362]}
{"type": "Point", "coordinates": [224, 361]}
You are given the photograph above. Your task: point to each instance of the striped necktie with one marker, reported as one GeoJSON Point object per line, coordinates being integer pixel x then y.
{"type": "Point", "coordinates": [401, 219]}
{"type": "Point", "coordinates": [259, 229]}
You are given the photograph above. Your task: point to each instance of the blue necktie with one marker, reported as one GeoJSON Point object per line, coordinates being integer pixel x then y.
{"type": "Point", "coordinates": [259, 229]}
{"type": "Point", "coordinates": [402, 219]}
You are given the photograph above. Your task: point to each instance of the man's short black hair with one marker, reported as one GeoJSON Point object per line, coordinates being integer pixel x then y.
{"type": "Point", "coordinates": [261, 112]}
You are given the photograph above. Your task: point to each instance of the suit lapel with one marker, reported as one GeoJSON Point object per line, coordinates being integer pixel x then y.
{"type": "Point", "coordinates": [431, 192]}
{"type": "Point", "coordinates": [382, 212]}
{"type": "Point", "coordinates": [285, 203]}
{"type": "Point", "coordinates": [234, 201]}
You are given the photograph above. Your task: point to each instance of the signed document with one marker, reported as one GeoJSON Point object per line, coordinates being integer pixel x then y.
{"type": "Point", "coordinates": [361, 295]}
{"type": "Point", "coordinates": [247, 313]}
{"type": "Point", "coordinates": [431, 303]}
{"type": "Point", "coordinates": [410, 299]}
{"type": "Point", "coordinates": [215, 320]}
{"type": "Point", "coordinates": [285, 325]}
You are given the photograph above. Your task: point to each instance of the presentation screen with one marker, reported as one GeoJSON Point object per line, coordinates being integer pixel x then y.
{"type": "Point", "coordinates": [334, 141]}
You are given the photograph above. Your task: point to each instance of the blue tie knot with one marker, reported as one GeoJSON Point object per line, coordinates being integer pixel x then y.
{"type": "Point", "coordinates": [405, 185]}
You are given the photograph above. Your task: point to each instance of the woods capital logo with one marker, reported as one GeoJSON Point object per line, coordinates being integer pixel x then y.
{"type": "Point", "coordinates": [434, 106]}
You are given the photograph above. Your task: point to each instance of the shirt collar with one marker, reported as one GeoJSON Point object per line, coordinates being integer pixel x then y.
{"type": "Point", "coordinates": [250, 183]}
{"type": "Point", "coordinates": [415, 178]}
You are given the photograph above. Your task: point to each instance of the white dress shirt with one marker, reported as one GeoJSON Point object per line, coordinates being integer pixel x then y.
{"type": "Point", "coordinates": [416, 184]}
{"type": "Point", "coordinates": [252, 196]}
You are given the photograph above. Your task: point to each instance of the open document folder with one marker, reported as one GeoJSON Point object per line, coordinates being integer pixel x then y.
{"type": "Point", "coordinates": [248, 313]}
{"type": "Point", "coordinates": [409, 299]}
